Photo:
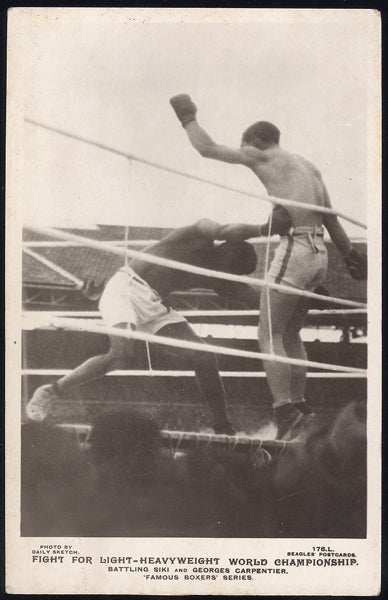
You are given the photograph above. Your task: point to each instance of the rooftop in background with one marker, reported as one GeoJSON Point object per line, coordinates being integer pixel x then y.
{"type": "Point", "coordinates": [84, 262]}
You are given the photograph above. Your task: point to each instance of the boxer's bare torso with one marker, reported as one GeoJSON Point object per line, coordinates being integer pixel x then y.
{"type": "Point", "coordinates": [292, 177]}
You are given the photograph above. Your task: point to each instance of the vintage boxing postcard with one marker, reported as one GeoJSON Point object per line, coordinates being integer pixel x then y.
{"type": "Point", "coordinates": [193, 338]}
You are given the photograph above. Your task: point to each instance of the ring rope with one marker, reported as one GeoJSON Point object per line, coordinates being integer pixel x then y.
{"type": "Point", "coordinates": [179, 436]}
{"type": "Point", "coordinates": [51, 244]}
{"type": "Point", "coordinates": [53, 266]}
{"type": "Point", "coordinates": [142, 243]}
{"type": "Point", "coordinates": [191, 268]}
{"type": "Point", "coordinates": [266, 265]}
{"type": "Point", "coordinates": [150, 369]}
{"type": "Point", "coordinates": [126, 230]}
{"type": "Point", "coordinates": [84, 325]}
{"type": "Point", "coordinates": [272, 199]}
{"type": "Point", "coordinates": [195, 313]}
{"type": "Point", "coordinates": [177, 373]}
{"type": "Point", "coordinates": [126, 245]}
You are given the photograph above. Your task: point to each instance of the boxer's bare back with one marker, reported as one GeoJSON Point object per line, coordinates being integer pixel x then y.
{"type": "Point", "coordinates": [292, 177]}
{"type": "Point", "coordinates": [186, 244]}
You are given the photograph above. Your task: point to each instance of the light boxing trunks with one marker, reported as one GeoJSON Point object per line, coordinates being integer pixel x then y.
{"type": "Point", "coordinates": [300, 260]}
{"type": "Point", "coordinates": [127, 298]}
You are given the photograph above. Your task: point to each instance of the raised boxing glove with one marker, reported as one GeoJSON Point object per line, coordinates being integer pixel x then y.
{"type": "Point", "coordinates": [184, 108]}
{"type": "Point", "coordinates": [357, 264]}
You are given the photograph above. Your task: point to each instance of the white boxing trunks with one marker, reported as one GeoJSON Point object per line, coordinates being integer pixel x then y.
{"type": "Point", "coordinates": [127, 298]}
{"type": "Point", "coordinates": [300, 260]}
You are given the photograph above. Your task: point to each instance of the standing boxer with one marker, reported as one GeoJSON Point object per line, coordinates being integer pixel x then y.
{"type": "Point", "coordinates": [301, 258]}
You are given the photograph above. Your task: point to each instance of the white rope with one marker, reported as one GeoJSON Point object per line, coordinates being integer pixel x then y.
{"type": "Point", "coordinates": [266, 265]}
{"type": "Point", "coordinates": [126, 246]}
{"type": "Point", "coordinates": [52, 244]}
{"type": "Point", "coordinates": [242, 439]}
{"type": "Point", "coordinates": [272, 199]}
{"type": "Point", "coordinates": [254, 313]}
{"type": "Point", "coordinates": [84, 325]}
{"type": "Point", "coordinates": [54, 267]}
{"type": "Point", "coordinates": [195, 313]}
{"type": "Point", "coordinates": [130, 191]}
{"type": "Point", "coordinates": [233, 332]}
{"type": "Point", "coordinates": [191, 268]}
{"type": "Point", "coordinates": [211, 437]}
{"type": "Point", "coordinates": [151, 371]}
{"type": "Point", "coordinates": [177, 373]}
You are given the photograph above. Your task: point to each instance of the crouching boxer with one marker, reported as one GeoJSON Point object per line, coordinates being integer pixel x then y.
{"type": "Point", "coordinates": [135, 298]}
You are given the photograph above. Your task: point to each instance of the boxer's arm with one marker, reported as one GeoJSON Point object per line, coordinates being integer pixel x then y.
{"type": "Point", "coordinates": [337, 233]}
{"type": "Point", "coordinates": [279, 223]}
{"type": "Point", "coordinates": [356, 262]}
{"type": "Point", "coordinates": [211, 230]}
{"type": "Point", "coordinates": [203, 228]}
{"type": "Point", "coordinates": [186, 111]}
{"type": "Point", "coordinates": [237, 232]}
{"type": "Point", "coordinates": [208, 148]}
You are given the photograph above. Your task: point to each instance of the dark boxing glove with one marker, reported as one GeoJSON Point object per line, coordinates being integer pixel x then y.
{"type": "Point", "coordinates": [184, 108]}
{"type": "Point", "coordinates": [281, 222]}
{"type": "Point", "coordinates": [357, 264]}
{"type": "Point", "coordinates": [92, 290]}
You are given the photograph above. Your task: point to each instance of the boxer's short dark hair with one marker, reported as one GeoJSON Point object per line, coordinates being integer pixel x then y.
{"type": "Point", "coordinates": [266, 131]}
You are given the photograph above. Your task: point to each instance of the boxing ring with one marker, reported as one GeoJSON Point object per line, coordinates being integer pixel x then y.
{"type": "Point", "coordinates": [89, 323]}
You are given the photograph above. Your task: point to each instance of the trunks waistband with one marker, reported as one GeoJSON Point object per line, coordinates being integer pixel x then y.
{"type": "Point", "coordinates": [310, 233]}
{"type": "Point", "coordinates": [305, 230]}
{"type": "Point", "coordinates": [133, 275]}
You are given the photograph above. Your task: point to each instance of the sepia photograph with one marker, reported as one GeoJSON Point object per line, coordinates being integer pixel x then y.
{"type": "Point", "coordinates": [193, 401]}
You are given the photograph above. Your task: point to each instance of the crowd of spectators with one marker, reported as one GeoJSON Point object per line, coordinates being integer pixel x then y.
{"type": "Point", "coordinates": [125, 482]}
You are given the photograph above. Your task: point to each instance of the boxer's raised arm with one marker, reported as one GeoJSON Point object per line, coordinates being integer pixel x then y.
{"type": "Point", "coordinates": [186, 112]}
{"type": "Point", "coordinates": [208, 148]}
